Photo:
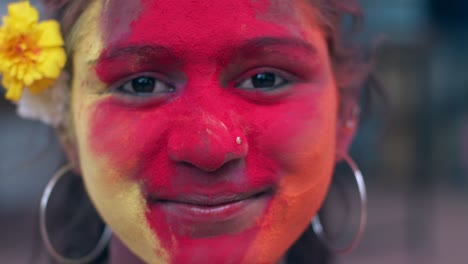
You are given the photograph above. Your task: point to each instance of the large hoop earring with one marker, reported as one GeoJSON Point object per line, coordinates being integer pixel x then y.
{"type": "Point", "coordinates": [93, 254]}
{"type": "Point", "coordinates": [317, 225]}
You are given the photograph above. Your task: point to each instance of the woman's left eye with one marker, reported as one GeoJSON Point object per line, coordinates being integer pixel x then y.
{"type": "Point", "coordinates": [264, 80]}
{"type": "Point", "coordinates": [144, 86]}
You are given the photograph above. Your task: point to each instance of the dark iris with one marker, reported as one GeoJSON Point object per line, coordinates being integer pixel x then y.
{"type": "Point", "coordinates": [143, 85]}
{"type": "Point", "coordinates": [264, 80]}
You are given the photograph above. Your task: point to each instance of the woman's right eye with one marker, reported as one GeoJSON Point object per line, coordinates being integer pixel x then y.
{"type": "Point", "coordinates": [144, 86]}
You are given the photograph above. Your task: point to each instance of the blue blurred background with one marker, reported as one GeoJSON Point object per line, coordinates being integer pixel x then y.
{"type": "Point", "coordinates": [415, 158]}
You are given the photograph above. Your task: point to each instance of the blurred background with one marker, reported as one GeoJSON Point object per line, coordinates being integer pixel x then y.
{"type": "Point", "coordinates": [414, 158]}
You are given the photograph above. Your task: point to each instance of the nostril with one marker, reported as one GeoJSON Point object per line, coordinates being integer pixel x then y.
{"type": "Point", "coordinates": [213, 165]}
{"type": "Point", "coordinates": [207, 149]}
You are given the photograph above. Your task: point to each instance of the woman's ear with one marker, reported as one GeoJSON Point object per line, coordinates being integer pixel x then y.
{"type": "Point", "coordinates": [70, 148]}
{"type": "Point", "coordinates": [346, 129]}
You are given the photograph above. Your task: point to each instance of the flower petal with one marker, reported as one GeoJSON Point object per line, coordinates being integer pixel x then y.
{"type": "Point", "coordinates": [31, 53]}
{"type": "Point", "coordinates": [23, 12]}
{"type": "Point", "coordinates": [50, 34]}
{"type": "Point", "coordinates": [40, 85]}
{"type": "Point", "coordinates": [49, 106]}
{"type": "Point", "coordinates": [27, 78]}
{"type": "Point", "coordinates": [54, 60]}
{"type": "Point", "coordinates": [14, 88]}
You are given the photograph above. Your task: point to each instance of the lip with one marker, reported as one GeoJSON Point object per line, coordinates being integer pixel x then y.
{"type": "Point", "coordinates": [213, 214]}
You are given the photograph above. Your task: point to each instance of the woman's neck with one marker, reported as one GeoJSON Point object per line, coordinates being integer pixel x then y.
{"type": "Point", "coordinates": [120, 254]}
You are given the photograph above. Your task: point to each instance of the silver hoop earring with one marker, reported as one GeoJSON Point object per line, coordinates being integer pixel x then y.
{"type": "Point", "coordinates": [317, 225]}
{"type": "Point", "coordinates": [94, 253]}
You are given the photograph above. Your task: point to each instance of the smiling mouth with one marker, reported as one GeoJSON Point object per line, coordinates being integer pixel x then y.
{"type": "Point", "coordinates": [215, 214]}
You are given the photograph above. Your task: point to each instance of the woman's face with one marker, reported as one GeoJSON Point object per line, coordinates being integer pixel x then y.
{"type": "Point", "coordinates": [205, 129]}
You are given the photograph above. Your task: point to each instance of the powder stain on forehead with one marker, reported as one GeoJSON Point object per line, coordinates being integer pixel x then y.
{"type": "Point", "coordinates": [117, 18]}
{"type": "Point", "coordinates": [275, 10]}
{"type": "Point", "coordinates": [284, 12]}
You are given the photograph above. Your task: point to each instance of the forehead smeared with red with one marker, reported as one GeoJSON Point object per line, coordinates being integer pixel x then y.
{"type": "Point", "coordinates": [120, 16]}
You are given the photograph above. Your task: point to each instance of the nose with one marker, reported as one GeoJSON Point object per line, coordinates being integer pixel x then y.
{"type": "Point", "coordinates": [206, 143]}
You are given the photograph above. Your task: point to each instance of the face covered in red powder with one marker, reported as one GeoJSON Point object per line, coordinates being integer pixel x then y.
{"type": "Point", "coordinates": [205, 130]}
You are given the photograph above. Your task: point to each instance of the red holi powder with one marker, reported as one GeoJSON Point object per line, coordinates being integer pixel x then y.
{"type": "Point", "coordinates": [183, 143]}
{"type": "Point", "coordinates": [231, 248]}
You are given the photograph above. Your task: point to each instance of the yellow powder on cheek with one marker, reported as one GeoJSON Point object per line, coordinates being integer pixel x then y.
{"type": "Point", "coordinates": [118, 199]}
{"type": "Point", "coordinates": [122, 206]}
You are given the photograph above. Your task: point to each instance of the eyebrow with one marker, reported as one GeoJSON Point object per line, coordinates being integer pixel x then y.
{"type": "Point", "coordinates": [248, 48]}
{"type": "Point", "coordinates": [263, 42]}
{"type": "Point", "coordinates": [143, 51]}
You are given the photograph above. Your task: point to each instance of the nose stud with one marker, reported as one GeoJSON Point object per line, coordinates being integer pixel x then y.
{"type": "Point", "coordinates": [238, 140]}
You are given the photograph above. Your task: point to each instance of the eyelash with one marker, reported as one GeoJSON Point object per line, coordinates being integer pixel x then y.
{"type": "Point", "coordinates": [153, 83]}
{"type": "Point", "coordinates": [280, 79]}
{"type": "Point", "coordinates": [272, 79]}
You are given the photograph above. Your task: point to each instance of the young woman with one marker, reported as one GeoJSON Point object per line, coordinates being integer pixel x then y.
{"type": "Point", "coordinates": [208, 131]}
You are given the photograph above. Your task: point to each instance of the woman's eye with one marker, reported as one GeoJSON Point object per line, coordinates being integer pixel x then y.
{"type": "Point", "coordinates": [264, 80]}
{"type": "Point", "coordinates": [144, 86]}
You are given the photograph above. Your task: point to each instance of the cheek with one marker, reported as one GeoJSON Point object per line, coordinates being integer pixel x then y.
{"type": "Point", "coordinates": [295, 134]}
{"type": "Point", "coordinates": [129, 139]}
{"type": "Point", "coordinates": [119, 199]}
{"type": "Point", "coordinates": [302, 143]}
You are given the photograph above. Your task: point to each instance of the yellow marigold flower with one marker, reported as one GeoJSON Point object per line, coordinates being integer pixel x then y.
{"type": "Point", "coordinates": [31, 53]}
